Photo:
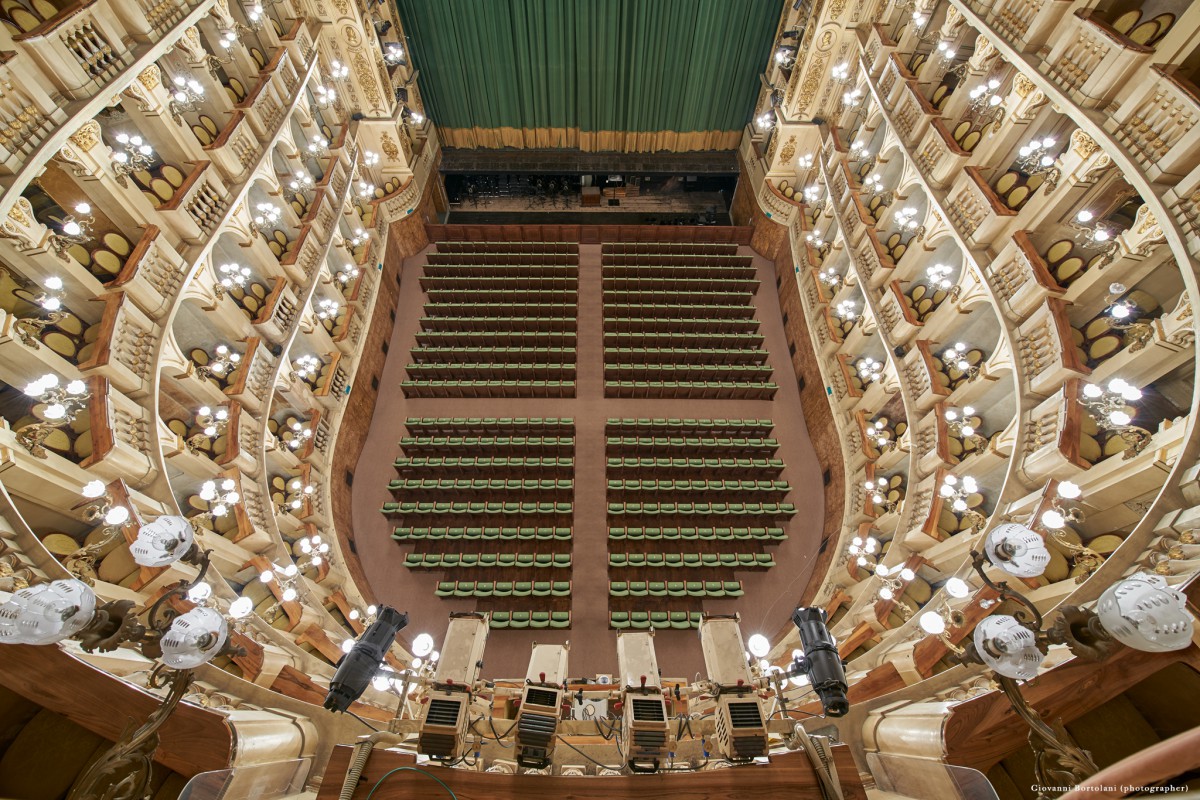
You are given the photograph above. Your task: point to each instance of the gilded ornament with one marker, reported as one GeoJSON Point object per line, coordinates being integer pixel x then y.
{"type": "Point", "coordinates": [87, 136]}
{"type": "Point", "coordinates": [343, 6]}
{"type": "Point", "coordinates": [1083, 145]}
{"type": "Point", "coordinates": [1022, 85]}
{"type": "Point", "coordinates": [388, 145]}
{"type": "Point", "coordinates": [351, 36]}
{"type": "Point", "coordinates": [21, 212]}
{"type": "Point", "coordinates": [789, 151]}
{"type": "Point", "coordinates": [812, 81]}
{"type": "Point", "coordinates": [367, 80]}
{"type": "Point", "coordinates": [826, 41]}
{"type": "Point", "coordinates": [836, 8]}
{"type": "Point", "coordinates": [771, 148]}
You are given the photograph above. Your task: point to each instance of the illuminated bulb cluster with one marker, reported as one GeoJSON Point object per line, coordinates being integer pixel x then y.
{"type": "Point", "coordinates": [232, 275]}
{"type": "Point", "coordinates": [765, 121]}
{"type": "Point", "coordinates": [371, 612]}
{"type": "Point", "coordinates": [359, 238]}
{"type": "Point", "coordinates": [338, 71]}
{"type": "Point", "coordinates": [906, 218]}
{"type": "Point", "coordinates": [346, 274]}
{"type": "Point", "coordinates": [302, 433]}
{"type": "Point", "coordinates": [220, 498]}
{"type": "Point", "coordinates": [881, 433]}
{"type": "Point", "coordinates": [1037, 153]}
{"type": "Point", "coordinates": [227, 40]}
{"type": "Point", "coordinates": [897, 577]}
{"type": "Point", "coordinates": [939, 276]}
{"type": "Point", "coordinates": [873, 183]}
{"type": "Point", "coordinates": [298, 492]}
{"type": "Point", "coordinates": [851, 98]}
{"type": "Point", "coordinates": [288, 592]}
{"type": "Point", "coordinates": [1111, 400]}
{"type": "Point", "coordinates": [316, 550]}
{"type": "Point", "coordinates": [846, 310]}
{"type": "Point", "coordinates": [254, 13]}
{"type": "Point", "coordinates": [933, 622]}
{"type": "Point", "coordinates": [306, 366]}
{"type": "Point", "coordinates": [959, 420]}
{"type": "Point", "coordinates": [805, 161]}
{"type": "Point", "coordinates": [187, 90]}
{"type": "Point", "coordinates": [226, 359]}
{"type": "Point", "coordinates": [811, 193]}
{"type": "Point", "coordinates": [858, 151]}
{"type": "Point", "coordinates": [268, 214]}
{"type": "Point", "coordinates": [957, 490]}
{"type": "Point", "coordinates": [327, 309]}
{"type": "Point", "coordinates": [76, 230]}
{"type": "Point", "coordinates": [984, 95]}
{"type": "Point", "coordinates": [213, 422]}
{"type": "Point", "coordinates": [840, 72]}
{"type": "Point", "coordinates": [51, 298]}
{"type": "Point", "coordinates": [862, 547]}
{"type": "Point", "coordinates": [955, 356]}
{"type": "Point", "coordinates": [112, 515]}
{"type": "Point", "coordinates": [366, 190]}
{"type": "Point", "coordinates": [324, 96]}
{"type": "Point", "coordinates": [61, 401]}
{"type": "Point", "coordinates": [417, 117]}
{"type": "Point", "coordinates": [1057, 517]}
{"type": "Point", "coordinates": [301, 180]}
{"type": "Point", "coordinates": [877, 488]}
{"type": "Point", "coordinates": [869, 370]}
{"type": "Point", "coordinates": [370, 158]}
{"type": "Point", "coordinates": [946, 50]}
{"type": "Point", "coordinates": [319, 144]}
{"type": "Point", "coordinates": [830, 278]}
{"type": "Point", "coordinates": [135, 146]}
{"type": "Point", "coordinates": [393, 53]}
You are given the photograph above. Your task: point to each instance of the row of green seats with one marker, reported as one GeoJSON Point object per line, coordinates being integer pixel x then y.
{"type": "Point", "coordinates": [671, 309]}
{"type": "Point", "coordinates": [699, 371]}
{"type": "Point", "coordinates": [610, 270]}
{"type": "Point", "coordinates": [479, 485]}
{"type": "Point", "coordinates": [700, 534]}
{"type": "Point", "coordinates": [448, 560]}
{"type": "Point", "coordinates": [701, 248]}
{"type": "Point", "coordinates": [495, 337]}
{"type": "Point", "coordinates": [425, 353]}
{"type": "Point", "coordinates": [498, 309]}
{"type": "Point", "coordinates": [456, 368]}
{"type": "Point", "coordinates": [487, 462]}
{"type": "Point", "coordinates": [698, 485]}
{"type": "Point", "coordinates": [679, 257]}
{"type": "Point", "coordinates": [676, 282]}
{"type": "Point", "coordinates": [502, 295]}
{"type": "Point", "coordinates": [659, 620]}
{"type": "Point", "coordinates": [482, 322]}
{"type": "Point", "coordinates": [675, 588]}
{"type": "Point", "coordinates": [488, 441]}
{"type": "Point", "coordinates": [656, 296]}
{"type": "Point", "coordinates": [704, 509]}
{"type": "Point", "coordinates": [675, 560]}
{"type": "Point", "coordinates": [692, 442]}
{"type": "Point", "coordinates": [631, 462]}
{"type": "Point", "coordinates": [422, 387]}
{"type": "Point", "coordinates": [503, 588]}
{"type": "Point", "coordinates": [498, 534]}
{"type": "Point", "coordinates": [681, 355]}
{"type": "Point", "coordinates": [701, 425]}
{"type": "Point", "coordinates": [489, 422]}
{"type": "Point", "coordinates": [747, 340]}
{"type": "Point", "coordinates": [475, 507]}
{"type": "Point", "coordinates": [746, 390]}
{"type": "Point", "coordinates": [530, 619]}
{"type": "Point", "coordinates": [549, 270]}
{"type": "Point", "coordinates": [671, 324]}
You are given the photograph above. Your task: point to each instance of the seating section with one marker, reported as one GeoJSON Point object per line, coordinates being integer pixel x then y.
{"type": "Point", "coordinates": [690, 503]}
{"type": "Point", "coordinates": [679, 322]}
{"type": "Point", "coordinates": [499, 321]}
{"type": "Point", "coordinates": [488, 502]}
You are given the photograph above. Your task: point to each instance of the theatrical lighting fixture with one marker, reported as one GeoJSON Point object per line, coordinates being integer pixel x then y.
{"type": "Point", "coordinates": [1109, 406]}
{"type": "Point", "coordinates": [362, 662]}
{"type": "Point", "coordinates": [444, 732]}
{"type": "Point", "coordinates": [645, 735]}
{"type": "Point", "coordinates": [741, 729]}
{"type": "Point", "coordinates": [536, 728]}
{"type": "Point", "coordinates": [821, 663]}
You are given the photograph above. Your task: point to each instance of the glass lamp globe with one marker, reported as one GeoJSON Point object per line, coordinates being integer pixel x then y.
{"type": "Point", "coordinates": [163, 541]}
{"type": "Point", "coordinates": [422, 645]}
{"type": "Point", "coordinates": [194, 638]}
{"type": "Point", "coordinates": [47, 613]}
{"type": "Point", "coordinates": [957, 587]}
{"type": "Point", "coordinates": [1008, 647]}
{"type": "Point", "coordinates": [1144, 613]}
{"type": "Point", "coordinates": [241, 608]}
{"type": "Point", "coordinates": [1017, 550]}
{"type": "Point", "coordinates": [932, 622]}
{"type": "Point", "coordinates": [347, 645]}
{"type": "Point", "coordinates": [759, 645]}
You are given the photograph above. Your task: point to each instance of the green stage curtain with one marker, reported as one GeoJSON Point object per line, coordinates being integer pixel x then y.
{"type": "Point", "coordinates": [624, 75]}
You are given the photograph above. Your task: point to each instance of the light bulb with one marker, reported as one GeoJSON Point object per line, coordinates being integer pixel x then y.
{"type": "Point", "coordinates": [959, 505]}
{"type": "Point", "coordinates": [289, 594]}
{"type": "Point", "coordinates": [1085, 216]}
{"type": "Point", "coordinates": [862, 561]}
{"type": "Point", "coordinates": [950, 480]}
{"type": "Point", "coordinates": [228, 484]}
{"type": "Point", "coordinates": [416, 663]}
{"type": "Point", "coordinates": [55, 411]}
{"type": "Point", "coordinates": [434, 657]}
{"type": "Point", "coordinates": [422, 645]}
{"type": "Point", "coordinates": [1116, 418]}
{"type": "Point", "coordinates": [241, 607]}
{"type": "Point", "coordinates": [907, 574]}
{"type": "Point", "coordinates": [932, 622]}
{"type": "Point", "coordinates": [957, 587]}
{"type": "Point", "coordinates": [199, 593]}
{"type": "Point", "coordinates": [354, 613]}
{"type": "Point", "coordinates": [290, 570]}
{"type": "Point", "coordinates": [881, 570]}
{"type": "Point", "coordinates": [266, 576]}
{"type": "Point", "coordinates": [1053, 519]}
{"type": "Point", "coordinates": [72, 228]}
{"type": "Point", "coordinates": [1068, 490]}
{"type": "Point", "coordinates": [967, 430]}
{"type": "Point", "coordinates": [93, 489]}
{"type": "Point", "coordinates": [371, 610]}
{"type": "Point", "coordinates": [83, 208]}
{"type": "Point", "coordinates": [886, 594]}
{"type": "Point", "coordinates": [381, 682]}
{"type": "Point", "coordinates": [117, 515]}
{"type": "Point", "coordinates": [347, 645]}
{"type": "Point", "coordinates": [1092, 391]}
{"type": "Point", "coordinates": [1131, 393]}
{"type": "Point", "coordinates": [759, 645]}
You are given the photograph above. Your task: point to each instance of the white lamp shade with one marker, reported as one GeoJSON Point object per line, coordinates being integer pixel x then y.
{"type": "Point", "coordinates": [957, 587]}
{"type": "Point", "coordinates": [422, 645]}
{"type": "Point", "coordinates": [1144, 613]}
{"type": "Point", "coordinates": [194, 638]}
{"type": "Point", "coordinates": [1008, 647]}
{"type": "Point", "coordinates": [162, 542]}
{"type": "Point", "coordinates": [759, 645]}
{"type": "Point", "coordinates": [47, 613]}
{"type": "Point", "coordinates": [1017, 550]}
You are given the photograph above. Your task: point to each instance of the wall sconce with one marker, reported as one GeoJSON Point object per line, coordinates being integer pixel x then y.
{"type": "Point", "coordinates": [359, 238]}
{"type": "Point", "coordinates": [873, 183]}
{"type": "Point", "coordinates": [317, 551]}
{"type": "Point", "coordinates": [885, 439]}
{"type": "Point", "coordinates": [29, 329]}
{"type": "Point", "coordinates": [868, 370]}
{"type": "Point", "coordinates": [346, 274]}
{"type": "Point", "coordinates": [393, 54]}
{"type": "Point", "coordinates": [958, 423]}
{"type": "Point", "coordinates": [863, 549]}
{"type": "Point", "coordinates": [266, 214]}
{"type": "Point", "coordinates": [300, 183]}
{"type": "Point", "coordinates": [956, 356]}
{"type": "Point", "coordinates": [298, 492]}
{"type": "Point", "coordinates": [73, 230]}
{"type": "Point", "coordinates": [323, 97]}
{"type": "Point", "coordinates": [1055, 519]}
{"type": "Point", "coordinates": [946, 51]}
{"type": "Point", "coordinates": [765, 121]}
{"type": "Point", "coordinates": [230, 276]}
{"type": "Point", "coordinates": [1109, 407]}
{"type": "Point", "coordinates": [840, 73]}
{"type": "Point", "coordinates": [366, 617]}
{"type": "Point", "coordinates": [319, 146]}
{"type": "Point", "coordinates": [135, 155]}
{"type": "Point", "coordinates": [223, 361]}
{"type": "Point", "coordinates": [287, 577]}
{"type": "Point", "coordinates": [1122, 316]}
{"type": "Point", "coordinates": [817, 243]}
{"type": "Point", "coordinates": [936, 621]}
{"type": "Point", "coordinates": [306, 367]}
{"type": "Point", "coordinates": [785, 57]}
{"type": "Point", "coordinates": [858, 151]}
{"type": "Point", "coordinates": [805, 162]}
{"type": "Point", "coordinates": [906, 220]}
{"type": "Point", "coordinates": [60, 405]}
{"type": "Point", "coordinates": [895, 580]}
{"type": "Point", "coordinates": [186, 94]}
{"type": "Point", "coordinates": [986, 105]}
{"type": "Point", "coordinates": [878, 489]}
{"type": "Point", "coordinates": [300, 434]}
{"type": "Point", "coordinates": [1037, 158]}
{"type": "Point", "coordinates": [939, 277]}
{"type": "Point", "coordinates": [366, 190]}
{"type": "Point", "coordinates": [100, 509]}
{"type": "Point", "coordinates": [220, 498]}
{"type": "Point", "coordinates": [957, 491]}
{"type": "Point", "coordinates": [213, 424]}
{"type": "Point", "coordinates": [254, 15]}
{"type": "Point", "coordinates": [1098, 236]}
{"type": "Point", "coordinates": [370, 159]}
{"type": "Point", "coordinates": [921, 22]}
{"type": "Point", "coordinates": [327, 309]}
{"type": "Point", "coordinates": [847, 311]}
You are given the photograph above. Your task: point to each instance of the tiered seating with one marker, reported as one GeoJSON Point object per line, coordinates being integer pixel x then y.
{"type": "Point", "coordinates": [499, 321]}
{"type": "Point", "coordinates": [712, 490]}
{"type": "Point", "coordinates": [488, 501]}
{"type": "Point", "coordinates": [679, 323]}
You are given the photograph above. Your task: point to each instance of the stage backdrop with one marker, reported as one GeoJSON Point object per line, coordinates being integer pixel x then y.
{"type": "Point", "coordinates": [616, 75]}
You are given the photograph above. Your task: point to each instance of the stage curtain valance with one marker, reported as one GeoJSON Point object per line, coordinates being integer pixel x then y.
{"type": "Point", "coordinates": [619, 75]}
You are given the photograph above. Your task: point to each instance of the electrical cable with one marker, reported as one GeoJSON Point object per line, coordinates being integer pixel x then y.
{"type": "Point", "coordinates": [589, 758]}
{"type": "Point", "coordinates": [387, 775]}
{"type": "Point", "coordinates": [363, 721]}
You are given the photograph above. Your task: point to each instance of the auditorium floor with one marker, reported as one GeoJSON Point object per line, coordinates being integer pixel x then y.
{"type": "Point", "coordinates": [768, 594]}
